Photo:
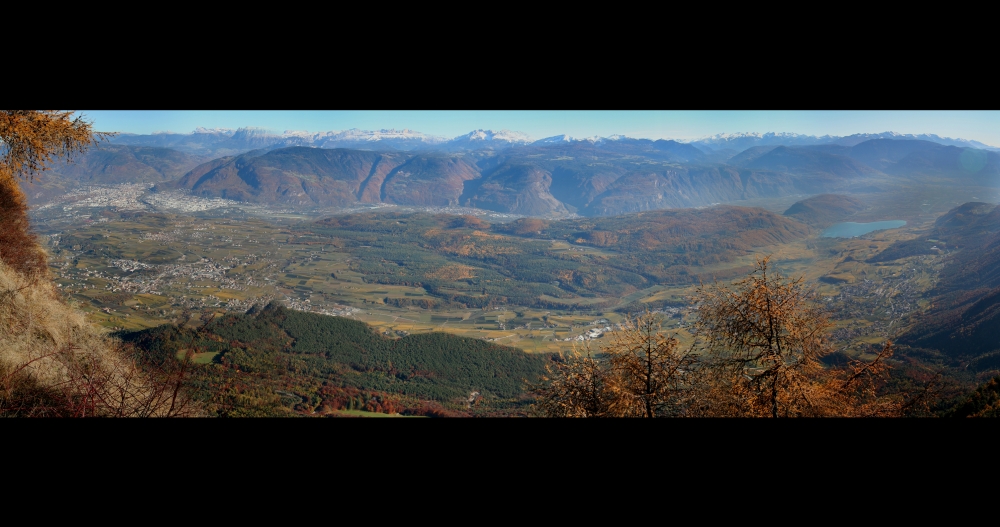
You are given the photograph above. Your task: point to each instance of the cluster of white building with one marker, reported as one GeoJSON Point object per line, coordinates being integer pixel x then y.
{"type": "Point", "coordinates": [335, 310]}
{"type": "Point", "coordinates": [183, 201]}
{"type": "Point", "coordinates": [122, 197]}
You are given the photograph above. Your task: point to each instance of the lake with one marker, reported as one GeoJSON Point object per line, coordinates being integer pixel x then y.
{"type": "Point", "coordinates": [851, 229]}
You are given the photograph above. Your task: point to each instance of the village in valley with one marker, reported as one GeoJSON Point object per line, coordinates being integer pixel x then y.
{"type": "Point", "coordinates": [134, 256]}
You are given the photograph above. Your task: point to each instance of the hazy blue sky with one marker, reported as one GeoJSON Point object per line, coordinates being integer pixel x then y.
{"type": "Point", "coordinates": [981, 126]}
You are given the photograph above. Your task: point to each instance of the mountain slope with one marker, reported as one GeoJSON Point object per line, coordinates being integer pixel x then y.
{"type": "Point", "coordinates": [114, 164]}
{"type": "Point", "coordinates": [964, 321]}
{"type": "Point", "coordinates": [884, 153]}
{"type": "Point", "coordinates": [971, 225]}
{"type": "Point", "coordinates": [824, 210]}
{"type": "Point", "coordinates": [428, 180]}
{"type": "Point", "coordinates": [206, 142]}
{"type": "Point", "coordinates": [960, 165]}
{"type": "Point", "coordinates": [296, 176]}
{"type": "Point", "coordinates": [520, 189]}
{"type": "Point", "coordinates": [742, 141]}
{"type": "Point", "coordinates": [816, 171]}
{"type": "Point", "coordinates": [110, 164]}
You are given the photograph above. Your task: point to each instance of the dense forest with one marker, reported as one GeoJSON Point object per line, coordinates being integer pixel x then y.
{"type": "Point", "coordinates": [275, 361]}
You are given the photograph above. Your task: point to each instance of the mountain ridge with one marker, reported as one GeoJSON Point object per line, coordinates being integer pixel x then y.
{"type": "Point", "coordinates": [218, 142]}
{"type": "Point", "coordinates": [563, 178]}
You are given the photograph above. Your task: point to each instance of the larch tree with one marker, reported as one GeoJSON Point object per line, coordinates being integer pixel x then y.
{"type": "Point", "coordinates": [651, 375]}
{"type": "Point", "coordinates": [577, 386]}
{"type": "Point", "coordinates": [53, 363]}
{"type": "Point", "coordinates": [30, 140]}
{"type": "Point", "coordinates": [760, 345]}
{"type": "Point", "coordinates": [641, 373]}
{"type": "Point", "coordinates": [763, 341]}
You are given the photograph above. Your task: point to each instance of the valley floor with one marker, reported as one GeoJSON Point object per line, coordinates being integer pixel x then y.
{"type": "Point", "coordinates": [133, 266]}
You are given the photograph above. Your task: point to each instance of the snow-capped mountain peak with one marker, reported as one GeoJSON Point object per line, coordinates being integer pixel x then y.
{"type": "Point", "coordinates": [596, 139]}
{"type": "Point", "coordinates": [502, 136]}
{"type": "Point", "coordinates": [302, 134]}
{"type": "Point", "coordinates": [213, 131]}
{"type": "Point", "coordinates": [724, 137]}
{"type": "Point", "coordinates": [355, 135]}
{"type": "Point", "coordinates": [556, 139]}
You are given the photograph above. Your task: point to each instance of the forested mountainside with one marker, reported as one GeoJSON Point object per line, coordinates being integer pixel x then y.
{"type": "Point", "coordinates": [586, 178]}
{"type": "Point", "coordinates": [275, 361]}
{"type": "Point", "coordinates": [110, 164]}
{"type": "Point", "coordinates": [964, 320]}
{"type": "Point", "coordinates": [825, 209]}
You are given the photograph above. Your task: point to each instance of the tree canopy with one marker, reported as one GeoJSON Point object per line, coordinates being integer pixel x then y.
{"type": "Point", "coordinates": [757, 351]}
{"type": "Point", "coordinates": [29, 141]}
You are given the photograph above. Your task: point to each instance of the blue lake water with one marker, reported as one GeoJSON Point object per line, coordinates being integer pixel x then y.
{"type": "Point", "coordinates": [851, 229]}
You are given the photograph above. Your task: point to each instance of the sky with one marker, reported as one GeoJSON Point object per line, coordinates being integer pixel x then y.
{"type": "Point", "coordinates": [983, 126]}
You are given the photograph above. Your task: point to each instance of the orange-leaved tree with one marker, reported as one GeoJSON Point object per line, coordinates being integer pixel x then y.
{"type": "Point", "coordinates": [29, 141]}
{"type": "Point", "coordinates": [576, 386]}
{"type": "Point", "coordinates": [52, 362]}
{"type": "Point", "coordinates": [763, 340]}
{"type": "Point", "coordinates": [652, 376]}
{"type": "Point", "coordinates": [640, 372]}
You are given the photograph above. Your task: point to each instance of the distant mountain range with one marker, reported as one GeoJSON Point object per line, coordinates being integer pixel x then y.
{"type": "Point", "coordinates": [220, 142]}
{"type": "Point", "coordinates": [590, 178]}
{"type": "Point", "coordinates": [507, 172]}
{"type": "Point", "coordinates": [742, 141]}
{"type": "Point", "coordinates": [226, 142]}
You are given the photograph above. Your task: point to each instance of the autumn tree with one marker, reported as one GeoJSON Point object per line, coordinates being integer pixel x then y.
{"type": "Point", "coordinates": [651, 375]}
{"type": "Point", "coordinates": [759, 347]}
{"type": "Point", "coordinates": [578, 385]}
{"type": "Point", "coordinates": [52, 361]}
{"type": "Point", "coordinates": [641, 373]}
{"type": "Point", "coordinates": [30, 141]}
{"type": "Point", "coordinates": [763, 340]}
